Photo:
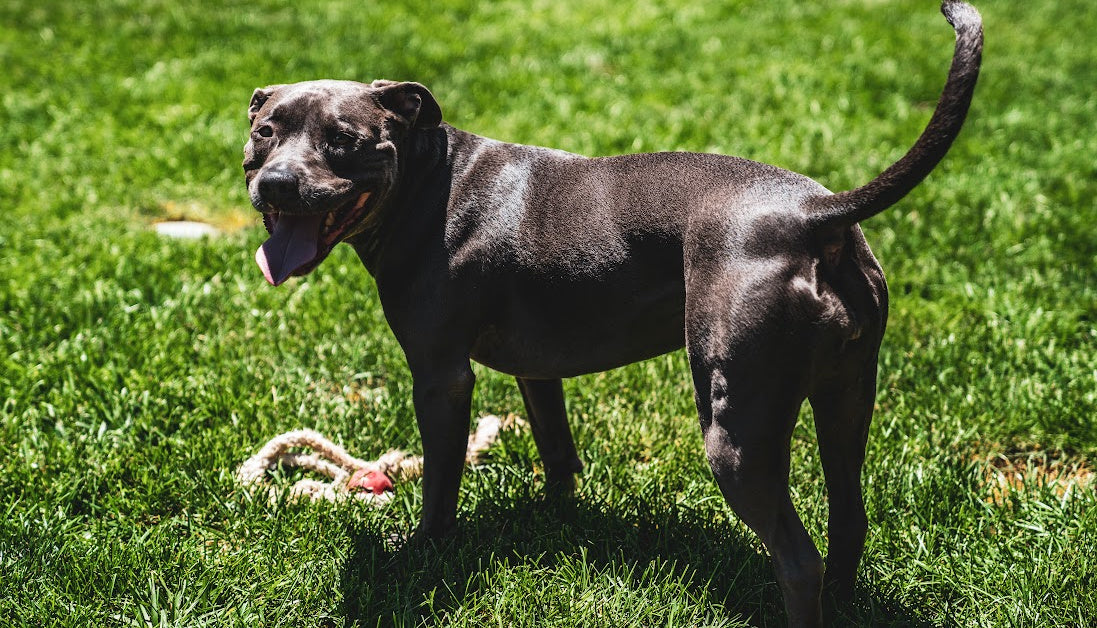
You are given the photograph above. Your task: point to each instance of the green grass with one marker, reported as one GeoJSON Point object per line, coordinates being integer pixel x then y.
{"type": "Point", "coordinates": [137, 373]}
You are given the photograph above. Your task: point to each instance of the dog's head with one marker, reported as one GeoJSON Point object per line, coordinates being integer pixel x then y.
{"type": "Point", "coordinates": [321, 160]}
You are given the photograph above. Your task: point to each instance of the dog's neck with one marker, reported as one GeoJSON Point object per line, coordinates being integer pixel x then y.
{"type": "Point", "coordinates": [424, 167]}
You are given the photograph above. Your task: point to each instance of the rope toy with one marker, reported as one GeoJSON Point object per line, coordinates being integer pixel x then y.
{"type": "Point", "coordinates": [368, 480]}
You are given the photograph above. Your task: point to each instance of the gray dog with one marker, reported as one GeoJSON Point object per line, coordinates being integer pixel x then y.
{"type": "Point", "coordinates": [543, 265]}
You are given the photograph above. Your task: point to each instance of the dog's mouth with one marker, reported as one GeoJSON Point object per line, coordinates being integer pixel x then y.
{"type": "Point", "coordinates": [298, 243]}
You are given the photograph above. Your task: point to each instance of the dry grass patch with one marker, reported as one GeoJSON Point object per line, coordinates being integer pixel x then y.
{"type": "Point", "coordinates": [1024, 469]}
{"type": "Point", "coordinates": [225, 219]}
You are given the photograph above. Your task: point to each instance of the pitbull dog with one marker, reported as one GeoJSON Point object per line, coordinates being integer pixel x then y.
{"type": "Point", "coordinates": [544, 264]}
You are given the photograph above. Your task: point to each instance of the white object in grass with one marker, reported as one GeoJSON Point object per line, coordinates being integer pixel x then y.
{"type": "Point", "coordinates": [186, 229]}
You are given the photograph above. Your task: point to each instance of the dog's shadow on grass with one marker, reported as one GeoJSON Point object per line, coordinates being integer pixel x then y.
{"type": "Point", "coordinates": [392, 583]}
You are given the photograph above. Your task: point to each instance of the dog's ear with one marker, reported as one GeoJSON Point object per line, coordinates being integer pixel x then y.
{"type": "Point", "coordinates": [411, 101]}
{"type": "Point", "coordinates": [259, 97]}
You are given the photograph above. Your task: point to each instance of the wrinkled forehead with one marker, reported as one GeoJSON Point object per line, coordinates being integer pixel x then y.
{"type": "Point", "coordinates": [305, 104]}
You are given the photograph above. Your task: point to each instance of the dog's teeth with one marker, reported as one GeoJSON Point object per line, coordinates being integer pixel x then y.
{"type": "Point", "coordinates": [330, 220]}
{"type": "Point", "coordinates": [362, 200]}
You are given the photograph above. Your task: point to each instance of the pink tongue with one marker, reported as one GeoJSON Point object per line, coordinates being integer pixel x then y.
{"type": "Point", "coordinates": [291, 246]}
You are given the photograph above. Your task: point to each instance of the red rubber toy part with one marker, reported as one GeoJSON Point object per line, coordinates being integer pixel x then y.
{"type": "Point", "coordinates": [372, 481]}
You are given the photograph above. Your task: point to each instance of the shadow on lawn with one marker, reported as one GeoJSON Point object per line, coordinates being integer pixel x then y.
{"type": "Point", "coordinates": [386, 586]}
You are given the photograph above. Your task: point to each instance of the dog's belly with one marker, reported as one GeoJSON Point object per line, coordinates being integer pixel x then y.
{"type": "Point", "coordinates": [564, 330]}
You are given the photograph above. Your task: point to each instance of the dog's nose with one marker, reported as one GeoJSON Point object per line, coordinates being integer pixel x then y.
{"type": "Point", "coordinates": [278, 186]}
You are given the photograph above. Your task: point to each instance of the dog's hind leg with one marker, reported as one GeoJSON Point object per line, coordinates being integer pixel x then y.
{"type": "Point", "coordinates": [749, 334]}
{"type": "Point", "coordinates": [842, 395]}
{"type": "Point", "coordinates": [544, 399]}
{"type": "Point", "coordinates": [748, 407]}
{"type": "Point", "coordinates": [843, 410]}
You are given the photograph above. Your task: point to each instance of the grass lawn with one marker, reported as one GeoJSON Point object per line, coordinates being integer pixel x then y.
{"type": "Point", "coordinates": [137, 373]}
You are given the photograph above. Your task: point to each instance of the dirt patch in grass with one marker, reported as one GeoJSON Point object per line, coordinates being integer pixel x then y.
{"type": "Point", "coordinates": [1026, 468]}
{"type": "Point", "coordinates": [225, 219]}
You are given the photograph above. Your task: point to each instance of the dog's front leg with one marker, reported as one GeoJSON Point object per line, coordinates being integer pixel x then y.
{"type": "Point", "coordinates": [443, 398]}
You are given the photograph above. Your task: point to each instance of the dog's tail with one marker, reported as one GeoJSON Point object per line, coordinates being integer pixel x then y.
{"type": "Point", "coordinates": [848, 208]}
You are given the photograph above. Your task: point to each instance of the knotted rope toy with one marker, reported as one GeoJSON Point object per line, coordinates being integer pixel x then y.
{"type": "Point", "coordinates": [368, 480]}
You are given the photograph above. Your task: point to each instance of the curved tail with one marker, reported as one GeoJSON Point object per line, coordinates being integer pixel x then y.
{"type": "Point", "coordinates": [848, 208]}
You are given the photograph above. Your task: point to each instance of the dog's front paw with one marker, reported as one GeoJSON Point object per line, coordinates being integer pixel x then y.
{"type": "Point", "coordinates": [432, 533]}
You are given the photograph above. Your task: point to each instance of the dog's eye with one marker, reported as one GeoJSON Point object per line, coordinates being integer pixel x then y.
{"type": "Point", "coordinates": [265, 131]}
{"type": "Point", "coordinates": [342, 138]}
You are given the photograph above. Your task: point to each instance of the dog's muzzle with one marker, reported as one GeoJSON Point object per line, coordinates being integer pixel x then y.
{"type": "Point", "coordinates": [299, 242]}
